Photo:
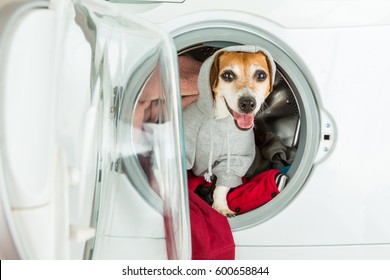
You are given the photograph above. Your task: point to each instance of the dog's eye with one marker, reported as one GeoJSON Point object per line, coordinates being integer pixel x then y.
{"type": "Point", "coordinates": [260, 75]}
{"type": "Point", "coordinates": [228, 76]}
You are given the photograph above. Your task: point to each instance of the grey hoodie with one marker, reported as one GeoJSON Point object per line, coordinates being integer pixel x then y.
{"type": "Point", "coordinates": [217, 146]}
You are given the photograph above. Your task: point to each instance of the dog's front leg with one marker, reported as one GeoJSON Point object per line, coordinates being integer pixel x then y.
{"type": "Point", "coordinates": [220, 202]}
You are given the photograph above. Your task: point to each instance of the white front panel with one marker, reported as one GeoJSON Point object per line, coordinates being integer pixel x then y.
{"type": "Point", "coordinates": [289, 13]}
{"type": "Point", "coordinates": [345, 200]}
{"type": "Point", "coordinates": [366, 252]}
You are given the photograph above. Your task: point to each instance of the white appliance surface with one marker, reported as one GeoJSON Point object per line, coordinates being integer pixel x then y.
{"type": "Point", "coordinates": [344, 202]}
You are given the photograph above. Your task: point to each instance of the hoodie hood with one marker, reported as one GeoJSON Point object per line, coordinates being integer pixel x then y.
{"type": "Point", "coordinates": [205, 101]}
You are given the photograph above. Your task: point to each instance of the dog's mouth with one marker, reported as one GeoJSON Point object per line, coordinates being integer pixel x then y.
{"type": "Point", "coordinates": [242, 121]}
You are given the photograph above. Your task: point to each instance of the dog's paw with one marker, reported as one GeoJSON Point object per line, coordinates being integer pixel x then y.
{"type": "Point", "coordinates": [225, 212]}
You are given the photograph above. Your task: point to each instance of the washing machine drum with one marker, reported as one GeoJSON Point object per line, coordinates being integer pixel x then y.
{"type": "Point", "coordinates": [280, 113]}
{"type": "Point", "coordinates": [288, 127]}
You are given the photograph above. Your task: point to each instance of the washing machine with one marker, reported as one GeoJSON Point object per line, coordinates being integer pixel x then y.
{"type": "Point", "coordinates": [92, 151]}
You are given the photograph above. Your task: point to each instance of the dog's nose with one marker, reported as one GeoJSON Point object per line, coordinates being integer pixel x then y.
{"type": "Point", "coordinates": [247, 104]}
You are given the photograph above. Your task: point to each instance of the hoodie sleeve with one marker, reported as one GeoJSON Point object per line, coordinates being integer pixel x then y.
{"type": "Point", "coordinates": [239, 165]}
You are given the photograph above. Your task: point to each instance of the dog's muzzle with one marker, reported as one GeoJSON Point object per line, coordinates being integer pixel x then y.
{"type": "Point", "coordinates": [243, 121]}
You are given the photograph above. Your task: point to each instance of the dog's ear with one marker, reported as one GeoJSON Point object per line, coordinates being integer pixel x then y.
{"type": "Point", "coordinates": [214, 71]}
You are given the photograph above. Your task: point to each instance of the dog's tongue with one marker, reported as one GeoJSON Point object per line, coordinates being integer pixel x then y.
{"type": "Point", "coordinates": [243, 121]}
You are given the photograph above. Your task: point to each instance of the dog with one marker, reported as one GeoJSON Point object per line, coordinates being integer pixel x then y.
{"type": "Point", "coordinates": [240, 83]}
{"type": "Point", "coordinates": [218, 128]}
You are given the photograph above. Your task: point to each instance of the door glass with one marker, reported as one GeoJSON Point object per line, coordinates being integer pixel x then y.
{"type": "Point", "coordinates": [134, 73]}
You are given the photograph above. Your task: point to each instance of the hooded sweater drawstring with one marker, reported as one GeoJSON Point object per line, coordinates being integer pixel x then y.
{"type": "Point", "coordinates": [209, 173]}
{"type": "Point", "coordinates": [228, 150]}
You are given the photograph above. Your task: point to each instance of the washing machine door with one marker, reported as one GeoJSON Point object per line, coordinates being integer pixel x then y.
{"type": "Point", "coordinates": [49, 132]}
{"type": "Point", "coordinates": [89, 126]}
{"type": "Point", "coordinates": [141, 204]}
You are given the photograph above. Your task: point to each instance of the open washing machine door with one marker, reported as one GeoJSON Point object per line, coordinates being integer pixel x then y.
{"type": "Point", "coordinates": [91, 161]}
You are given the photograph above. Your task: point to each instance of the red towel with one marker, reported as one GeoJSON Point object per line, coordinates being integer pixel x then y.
{"type": "Point", "coordinates": [212, 238]}
{"type": "Point", "coordinates": [189, 71]}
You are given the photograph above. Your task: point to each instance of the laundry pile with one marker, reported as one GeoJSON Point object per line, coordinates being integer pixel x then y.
{"type": "Point", "coordinates": [211, 234]}
{"type": "Point", "coordinates": [189, 70]}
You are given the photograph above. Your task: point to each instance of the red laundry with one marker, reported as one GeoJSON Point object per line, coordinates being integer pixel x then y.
{"type": "Point", "coordinates": [255, 193]}
{"type": "Point", "coordinates": [211, 234]}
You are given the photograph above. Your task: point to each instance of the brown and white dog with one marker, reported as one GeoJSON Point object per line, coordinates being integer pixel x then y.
{"type": "Point", "coordinates": [240, 82]}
